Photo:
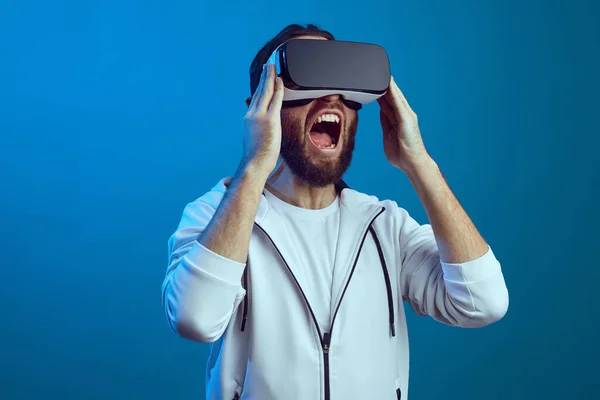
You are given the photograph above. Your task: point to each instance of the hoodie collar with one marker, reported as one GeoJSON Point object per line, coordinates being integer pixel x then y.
{"type": "Point", "coordinates": [350, 199]}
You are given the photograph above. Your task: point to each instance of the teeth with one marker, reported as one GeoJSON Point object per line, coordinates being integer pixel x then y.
{"type": "Point", "coordinates": [331, 146]}
{"type": "Point", "coordinates": [328, 118]}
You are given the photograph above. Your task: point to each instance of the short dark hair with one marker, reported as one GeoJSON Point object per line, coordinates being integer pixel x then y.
{"type": "Point", "coordinates": [287, 33]}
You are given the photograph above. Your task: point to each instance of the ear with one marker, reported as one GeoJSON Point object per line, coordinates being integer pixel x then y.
{"type": "Point", "coordinates": [248, 100]}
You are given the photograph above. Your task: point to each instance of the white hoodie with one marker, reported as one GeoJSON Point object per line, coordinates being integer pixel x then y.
{"type": "Point", "coordinates": [265, 342]}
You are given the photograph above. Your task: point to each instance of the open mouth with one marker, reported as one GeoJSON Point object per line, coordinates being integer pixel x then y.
{"type": "Point", "coordinates": [325, 131]}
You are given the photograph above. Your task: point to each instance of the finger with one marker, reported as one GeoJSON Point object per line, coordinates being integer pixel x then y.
{"type": "Point", "coordinates": [258, 91]}
{"type": "Point", "coordinates": [400, 95]}
{"type": "Point", "coordinates": [386, 108]}
{"type": "Point", "coordinates": [267, 95]}
{"type": "Point", "coordinates": [396, 89]}
{"type": "Point", "coordinates": [275, 107]}
{"type": "Point", "coordinates": [395, 100]}
{"type": "Point", "coordinates": [386, 125]}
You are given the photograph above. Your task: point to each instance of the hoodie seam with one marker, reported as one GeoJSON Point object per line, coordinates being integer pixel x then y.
{"type": "Point", "coordinates": [468, 290]}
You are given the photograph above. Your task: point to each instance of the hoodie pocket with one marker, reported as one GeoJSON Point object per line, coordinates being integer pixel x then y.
{"type": "Point", "coordinates": [398, 389]}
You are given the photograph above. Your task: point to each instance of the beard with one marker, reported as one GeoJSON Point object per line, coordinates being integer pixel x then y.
{"type": "Point", "coordinates": [314, 171]}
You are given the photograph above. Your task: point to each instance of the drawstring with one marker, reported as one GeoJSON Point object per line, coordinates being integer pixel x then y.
{"type": "Point", "coordinates": [385, 275]}
{"type": "Point", "coordinates": [387, 281]}
{"type": "Point", "coordinates": [247, 288]}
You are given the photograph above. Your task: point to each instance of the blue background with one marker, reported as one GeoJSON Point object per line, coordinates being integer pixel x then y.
{"type": "Point", "coordinates": [114, 115]}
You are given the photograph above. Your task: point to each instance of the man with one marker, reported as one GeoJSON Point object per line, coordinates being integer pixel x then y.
{"type": "Point", "coordinates": [298, 280]}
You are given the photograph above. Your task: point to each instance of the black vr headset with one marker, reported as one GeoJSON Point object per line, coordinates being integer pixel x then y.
{"type": "Point", "coordinates": [312, 68]}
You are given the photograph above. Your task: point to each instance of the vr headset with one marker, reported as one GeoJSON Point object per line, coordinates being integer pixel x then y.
{"type": "Point", "coordinates": [310, 68]}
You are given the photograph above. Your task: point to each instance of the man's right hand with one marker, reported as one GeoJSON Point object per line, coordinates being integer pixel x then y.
{"type": "Point", "coordinates": [262, 136]}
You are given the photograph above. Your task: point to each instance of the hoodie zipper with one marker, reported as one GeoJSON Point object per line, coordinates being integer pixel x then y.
{"type": "Point", "coordinates": [326, 337]}
{"type": "Point", "coordinates": [326, 342]}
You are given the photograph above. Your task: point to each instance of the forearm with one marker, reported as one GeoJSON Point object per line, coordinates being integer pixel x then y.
{"type": "Point", "coordinates": [228, 233]}
{"type": "Point", "coordinates": [457, 237]}
{"type": "Point", "coordinates": [208, 253]}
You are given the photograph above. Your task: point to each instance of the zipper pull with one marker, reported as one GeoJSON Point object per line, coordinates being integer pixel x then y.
{"type": "Point", "coordinates": [326, 342]}
{"type": "Point", "coordinates": [236, 396]}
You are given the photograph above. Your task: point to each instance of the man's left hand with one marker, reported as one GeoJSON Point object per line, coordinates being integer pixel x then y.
{"type": "Point", "coordinates": [402, 141]}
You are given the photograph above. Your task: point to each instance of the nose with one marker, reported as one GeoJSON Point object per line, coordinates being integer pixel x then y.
{"type": "Point", "coordinates": [330, 98]}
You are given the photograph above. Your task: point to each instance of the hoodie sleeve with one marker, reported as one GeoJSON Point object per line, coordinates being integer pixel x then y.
{"type": "Point", "coordinates": [472, 294]}
{"type": "Point", "coordinates": [201, 289]}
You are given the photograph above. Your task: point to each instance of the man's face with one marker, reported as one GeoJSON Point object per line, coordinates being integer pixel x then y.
{"type": "Point", "coordinates": [318, 139]}
{"type": "Point", "coordinates": [319, 153]}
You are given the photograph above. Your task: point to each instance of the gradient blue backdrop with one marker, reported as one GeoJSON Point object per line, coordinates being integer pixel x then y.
{"type": "Point", "coordinates": [115, 114]}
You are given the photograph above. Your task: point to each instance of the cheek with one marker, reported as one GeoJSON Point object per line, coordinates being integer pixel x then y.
{"type": "Point", "coordinates": [292, 124]}
{"type": "Point", "coordinates": [351, 120]}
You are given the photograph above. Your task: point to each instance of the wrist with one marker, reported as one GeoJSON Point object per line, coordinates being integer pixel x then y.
{"type": "Point", "coordinates": [419, 168]}
{"type": "Point", "coordinates": [253, 170]}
